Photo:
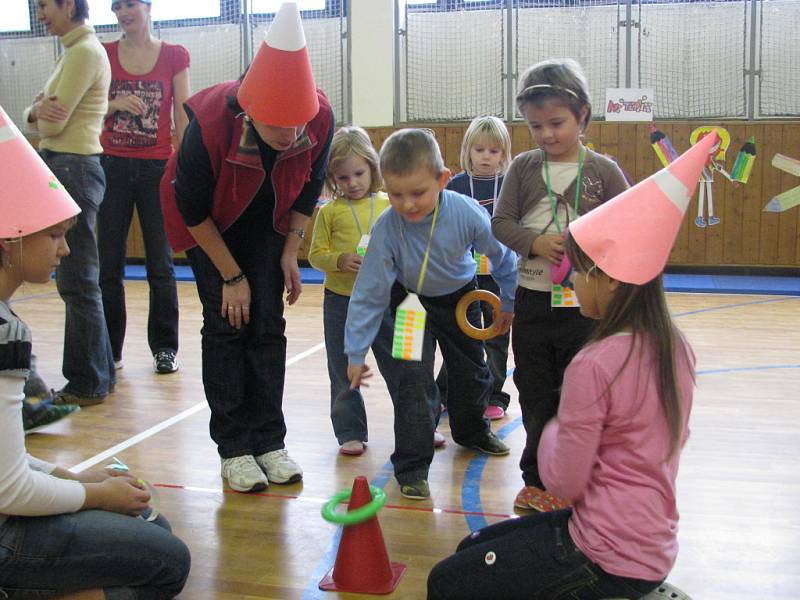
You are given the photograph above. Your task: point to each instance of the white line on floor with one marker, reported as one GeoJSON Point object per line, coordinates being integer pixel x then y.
{"type": "Point", "coordinates": [132, 441]}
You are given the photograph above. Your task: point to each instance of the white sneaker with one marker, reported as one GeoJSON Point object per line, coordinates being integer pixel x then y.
{"type": "Point", "coordinates": [279, 467]}
{"type": "Point", "coordinates": [243, 474]}
{"type": "Point", "coordinates": [438, 439]}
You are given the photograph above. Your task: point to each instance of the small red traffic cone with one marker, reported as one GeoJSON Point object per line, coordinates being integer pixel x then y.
{"type": "Point", "coordinates": [362, 563]}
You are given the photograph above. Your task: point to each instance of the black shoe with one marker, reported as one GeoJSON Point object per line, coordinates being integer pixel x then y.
{"type": "Point", "coordinates": [165, 361]}
{"type": "Point", "coordinates": [491, 444]}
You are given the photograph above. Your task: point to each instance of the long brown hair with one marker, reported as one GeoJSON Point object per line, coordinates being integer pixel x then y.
{"type": "Point", "coordinates": [643, 310]}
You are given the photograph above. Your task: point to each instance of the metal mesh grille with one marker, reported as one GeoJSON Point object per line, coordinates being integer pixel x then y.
{"type": "Point", "coordinates": [779, 89]}
{"type": "Point", "coordinates": [586, 30]}
{"type": "Point", "coordinates": [325, 38]}
{"type": "Point", "coordinates": [454, 62]}
{"type": "Point", "coordinates": [692, 55]}
{"type": "Point", "coordinates": [215, 44]}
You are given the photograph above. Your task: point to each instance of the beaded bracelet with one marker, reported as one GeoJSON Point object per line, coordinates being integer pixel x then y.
{"type": "Point", "coordinates": [235, 279]}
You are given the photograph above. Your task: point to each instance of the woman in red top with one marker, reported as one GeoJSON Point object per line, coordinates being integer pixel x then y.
{"type": "Point", "coordinates": [150, 82]}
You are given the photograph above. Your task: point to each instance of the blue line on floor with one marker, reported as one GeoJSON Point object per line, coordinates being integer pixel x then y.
{"type": "Point", "coordinates": [471, 486]}
{"type": "Point", "coordinates": [470, 492]}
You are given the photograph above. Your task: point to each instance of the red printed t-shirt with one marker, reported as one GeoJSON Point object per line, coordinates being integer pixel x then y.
{"type": "Point", "coordinates": [149, 135]}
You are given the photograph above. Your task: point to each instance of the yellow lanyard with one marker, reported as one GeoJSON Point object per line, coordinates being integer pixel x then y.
{"type": "Point", "coordinates": [424, 267]}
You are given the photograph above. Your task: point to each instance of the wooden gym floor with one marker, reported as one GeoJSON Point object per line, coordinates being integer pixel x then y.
{"type": "Point", "coordinates": [739, 484]}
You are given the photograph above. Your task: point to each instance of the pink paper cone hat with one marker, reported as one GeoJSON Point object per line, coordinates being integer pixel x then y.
{"type": "Point", "coordinates": [630, 236]}
{"type": "Point", "coordinates": [31, 198]}
{"type": "Point", "coordinates": [279, 87]}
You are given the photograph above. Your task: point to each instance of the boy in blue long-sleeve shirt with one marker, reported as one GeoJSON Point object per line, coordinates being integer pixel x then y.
{"type": "Point", "coordinates": [425, 220]}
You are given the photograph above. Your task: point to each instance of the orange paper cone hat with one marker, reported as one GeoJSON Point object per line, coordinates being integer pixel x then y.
{"type": "Point", "coordinates": [279, 87]}
{"type": "Point", "coordinates": [31, 198]}
{"type": "Point", "coordinates": [630, 236]}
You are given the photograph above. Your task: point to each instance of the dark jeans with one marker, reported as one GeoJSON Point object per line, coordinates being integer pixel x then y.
{"type": "Point", "coordinates": [130, 559]}
{"type": "Point", "coordinates": [413, 389]}
{"type": "Point", "coordinates": [496, 353]}
{"type": "Point", "coordinates": [243, 369]}
{"type": "Point", "coordinates": [531, 558]}
{"type": "Point", "coordinates": [545, 340]}
{"type": "Point", "coordinates": [88, 365]}
{"type": "Point", "coordinates": [134, 182]}
{"type": "Point", "coordinates": [348, 416]}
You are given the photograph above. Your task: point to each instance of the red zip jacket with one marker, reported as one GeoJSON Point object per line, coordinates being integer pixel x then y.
{"type": "Point", "coordinates": [237, 165]}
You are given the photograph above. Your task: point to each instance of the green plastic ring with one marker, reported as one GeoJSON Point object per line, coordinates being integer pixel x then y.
{"type": "Point", "coordinates": [358, 515]}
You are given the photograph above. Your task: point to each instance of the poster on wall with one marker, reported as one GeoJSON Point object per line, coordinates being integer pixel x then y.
{"type": "Point", "coordinates": [629, 104]}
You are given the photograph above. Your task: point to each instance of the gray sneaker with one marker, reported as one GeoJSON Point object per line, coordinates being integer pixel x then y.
{"type": "Point", "coordinates": [489, 443]}
{"type": "Point", "coordinates": [279, 467]}
{"type": "Point", "coordinates": [418, 490]}
{"type": "Point", "coordinates": [244, 474]}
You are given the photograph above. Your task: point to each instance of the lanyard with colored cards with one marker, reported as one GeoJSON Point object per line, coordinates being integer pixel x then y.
{"type": "Point", "coordinates": [409, 322]}
{"type": "Point", "coordinates": [482, 264]}
{"type": "Point", "coordinates": [363, 241]}
{"type": "Point", "coordinates": [562, 296]}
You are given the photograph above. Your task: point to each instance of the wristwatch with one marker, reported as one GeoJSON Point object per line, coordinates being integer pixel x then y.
{"type": "Point", "coordinates": [301, 233]}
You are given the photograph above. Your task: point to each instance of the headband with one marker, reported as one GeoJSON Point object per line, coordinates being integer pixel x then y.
{"type": "Point", "coordinates": [547, 86]}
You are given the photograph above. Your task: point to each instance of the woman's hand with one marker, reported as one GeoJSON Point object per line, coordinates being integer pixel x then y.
{"type": "Point", "coordinates": [236, 303]}
{"type": "Point", "coordinates": [48, 109]}
{"type": "Point", "coordinates": [123, 495]}
{"type": "Point", "coordinates": [356, 374]}
{"type": "Point", "coordinates": [549, 246]}
{"type": "Point", "coordinates": [349, 262]}
{"type": "Point", "coordinates": [291, 277]}
{"type": "Point", "coordinates": [128, 103]}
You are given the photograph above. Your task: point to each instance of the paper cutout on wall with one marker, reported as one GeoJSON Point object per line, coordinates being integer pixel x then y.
{"type": "Point", "coordinates": [790, 198]}
{"type": "Point", "coordinates": [706, 192]}
{"type": "Point", "coordinates": [786, 164]}
{"type": "Point", "coordinates": [744, 161]}
{"type": "Point", "coordinates": [663, 146]}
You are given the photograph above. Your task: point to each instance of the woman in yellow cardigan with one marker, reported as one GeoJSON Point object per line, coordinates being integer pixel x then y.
{"type": "Point", "coordinates": [68, 115]}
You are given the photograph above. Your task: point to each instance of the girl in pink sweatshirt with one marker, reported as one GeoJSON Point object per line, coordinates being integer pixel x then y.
{"type": "Point", "coordinates": [613, 449]}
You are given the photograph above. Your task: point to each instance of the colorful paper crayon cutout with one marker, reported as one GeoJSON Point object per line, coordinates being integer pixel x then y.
{"type": "Point", "coordinates": [743, 165]}
{"type": "Point", "coordinates": [790, 198]}
{"type": "Point", "coordinates": [663, 147]}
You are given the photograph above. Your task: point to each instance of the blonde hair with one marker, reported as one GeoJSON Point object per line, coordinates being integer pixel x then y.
{"type": "Point", "coordinates": [348, 142]}
{"type": "Point", "coordinates": [408, 150]}
{"type": "Point", "coordinates": [491, 129]}
{"type": "Point", "coordinates": [559, 79]}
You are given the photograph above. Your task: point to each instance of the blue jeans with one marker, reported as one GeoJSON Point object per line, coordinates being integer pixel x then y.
{"type": "Point", "coordinates": [531, 558]}
{"type": "Point", "coordinates": [130, 559]}
{"type": "Point", "coordinates": [348, 416]}
{"type": "Point", "coordinates": [134, 182]}
{"type": "Point", "coordinates": [413, 389]}
{"type": "Point", "coordinates": [244, 369]}
{"type": "Point", "coordinates": [545, 340]}
{"type": "Point", "coordinates": [496, 353]}
{"type": "Point", "coordinates": [88, 365]}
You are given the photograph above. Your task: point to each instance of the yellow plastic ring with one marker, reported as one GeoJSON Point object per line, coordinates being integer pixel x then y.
{"type": "Point", "coordinates": [477, 333]}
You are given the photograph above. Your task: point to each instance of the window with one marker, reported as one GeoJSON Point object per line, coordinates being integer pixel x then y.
{"type": "Point", "coordinates": [101, 14]}
{"type": "Point", "coordinates": [272, 6]}
{"type": "Point", "coordinates": [15, 16]}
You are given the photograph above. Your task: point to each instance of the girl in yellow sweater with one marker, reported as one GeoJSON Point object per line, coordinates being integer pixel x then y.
{"type": "Point", "coordinates": [341, 237]}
